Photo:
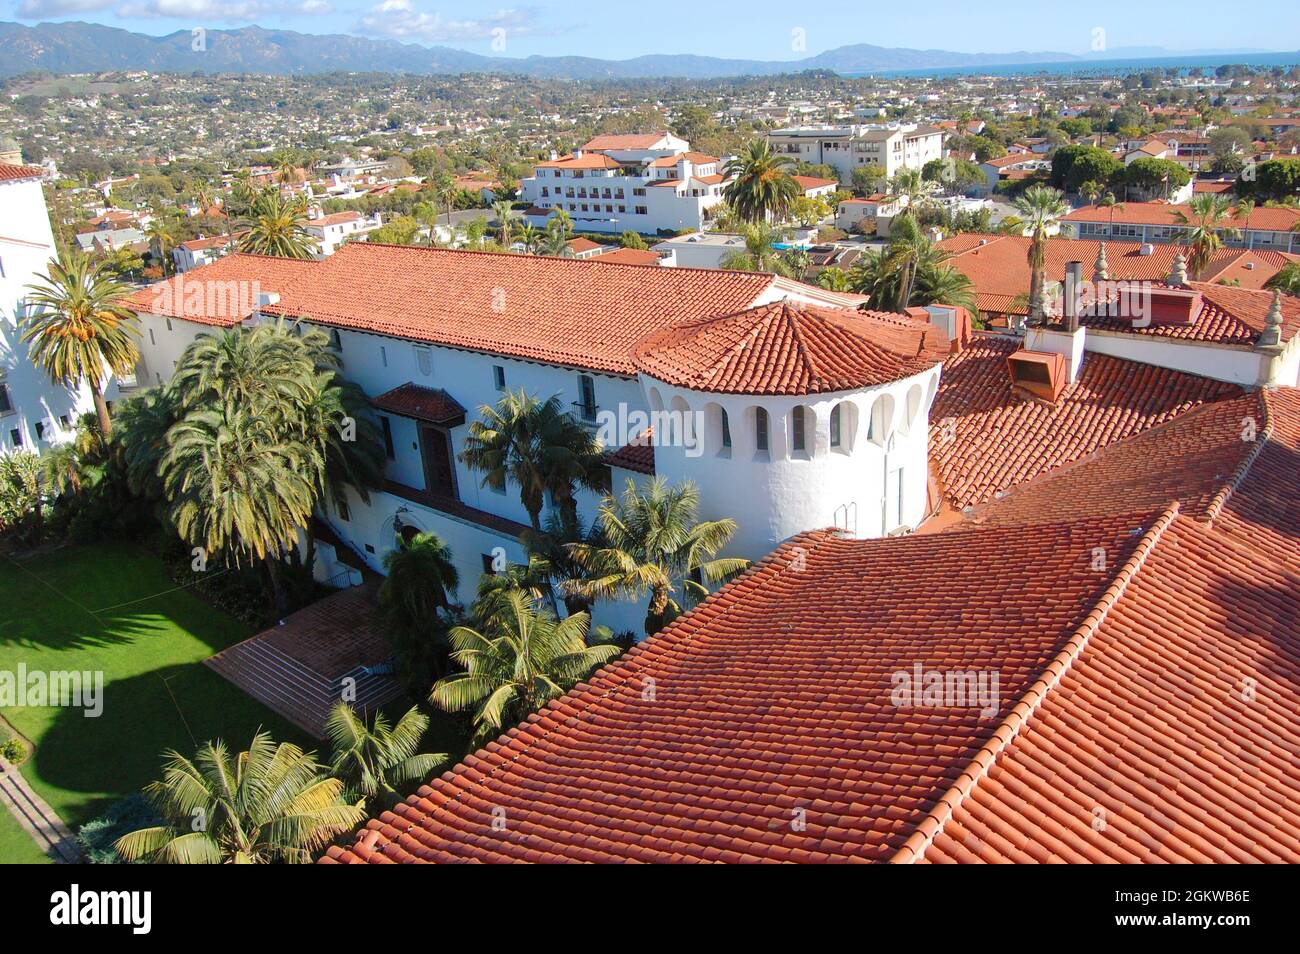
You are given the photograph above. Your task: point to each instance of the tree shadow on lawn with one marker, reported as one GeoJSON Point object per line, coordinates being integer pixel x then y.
{"type": "Point", "coordinates": [96, 761]}
{"type": "Point", "coordinates": [77, 630]}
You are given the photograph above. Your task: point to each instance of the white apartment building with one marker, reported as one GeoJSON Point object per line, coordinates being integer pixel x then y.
{"type": "Point", "coordinates": [331, 231]}
{"type": "Point", "coordinates": [646, 183]}
{"type": "Point", "coordinates": [434, 334]}
{"type": "Point", "coordinates": [34, 413]}
{"type": "Point", "coordinates": [845, 148]}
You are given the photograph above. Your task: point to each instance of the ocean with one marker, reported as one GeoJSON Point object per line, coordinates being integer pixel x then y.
{"type": "Point", "coordinates": [1099, 67]}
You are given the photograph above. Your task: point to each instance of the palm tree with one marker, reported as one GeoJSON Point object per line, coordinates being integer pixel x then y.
{"type": "Point", "coordinates": [415, 601]}
{"type": "Point", "coordinates": [909, 254]}
{"type": "Point", "coordinates": [874, 275]}
{"type": "Point", "coordinates": [537, 445]}
{"type": "Point", "coordinates": [376, 761]}
{"type": "Point", "coordinates": [1287, 279]}
{"type": "Point", "coordinates": [62, 469]}
{"type": "Point", "coordinates": [655, 545]}
{"type": "Point", "coordinates": [912, 185]}
{"type": "Point", "coordinates": [265, 366]}
{"type": "Point", "coordinates": [267, 805]}
{"type": "Point", "coordinates": [523, 659]}
{"type": "Point", "coordinates": [162, 239]}
{"type": "Point", "coordinates": [444, 188]}
{"type": "Point", "coordinates": [944, 285]}
{"type": "Point", "coordinates": [78, 326]}
{"type": "Point", "coordinates": [275, 225]}
{"type": "Point", "coordinates": [283, 166]}
{"type": "Point", "coordinates": [235, 485]}
{"type": "Point", "coordinates": [761, 187]}
{"type": "Point", "coordinates": [529, 237]}
{"type": "Point", "coordinates": [142, 425]}
{"type": "Point", "coordinates": [1041, 208]}
{"type": "Point", "coordinates": [338, 418]}
{"type": "Point", "coordinates": [1205, 231]}
{"type": "Point", "coordinates": [759, 254]}
{"type": "Point", "coordinates": [501, 209]}
{"type": "Point", "coordinates": [834, 278]}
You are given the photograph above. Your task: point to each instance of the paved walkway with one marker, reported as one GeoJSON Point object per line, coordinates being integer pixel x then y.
{"type": "Point", "coordinates": [36, 817]}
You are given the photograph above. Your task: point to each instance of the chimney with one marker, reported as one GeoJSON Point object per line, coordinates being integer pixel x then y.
{"type": "Point", "coordinates": [1147, 249]}
{"type": "Point", "coordinates": [1051, 357]}
{"type": "Point", "coordinates": [1073, 291]}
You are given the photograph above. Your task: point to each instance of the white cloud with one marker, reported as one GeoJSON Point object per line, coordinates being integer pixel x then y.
{"type": "Point", "coordinates": [223, 11]}
{"type": "Point", "coordinates": [399, 20]}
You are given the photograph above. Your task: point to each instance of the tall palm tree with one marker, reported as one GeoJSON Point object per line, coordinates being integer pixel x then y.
{"type": "Point", "coordinates": [265, 366]}
{"type": "Point", "coordinates": [444, 188]}
{"type": "Point", "coordinates": [143, 422]}
{"type": "Point", "coordinates": [415, 601]}
{"type": "Point", "coordinates": [944, 285]}
{"type": "Point", "coordinates": [529, 237]}
{"type": "Point", "coordinates": [376, 762]}
{"type": "Point", "coordinates": [501, 209]}
{"type": "Point", "coordinates": [161, 233]}
{"type": "Point", "coordinates": [536, 444]}
{"type": "Point", "coordinates": [655, 545]}
{"type": "Point", "coordinates": [267, 805]}
{"type": "Point", "coordinates": [761, 187]}
{"type": "Point", "coordinates": [78, 326]}
{"type": "Point", "coordinates": [1204, 219]}
{"type": "Point", "coordinates": [1041, 207]}
{"type": "Point", "coordinates": [235, 485]}
{"type": "Point", "coordinates": [874, 275]}
{"type": "Point", "coordinates": [338, 418]}
{"type": "Point", "coordinates": [912, 185]}
{"type": "Point", "coordinates": [276, 225]}
{"type": "Point", "coordinates": [759, 254]}
{"type": "Point", "coordinates": [909, 254]}
{"type": "Point", "coordinates": [521, 660]}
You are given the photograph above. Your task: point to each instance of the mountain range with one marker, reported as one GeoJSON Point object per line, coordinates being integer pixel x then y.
{"type": "Point", "coordinates": [75, 47]}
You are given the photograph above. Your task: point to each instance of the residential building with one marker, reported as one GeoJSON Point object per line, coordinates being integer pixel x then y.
{"type": "Point", "coordinates": [331, 231]}
{"type": "Point", "coordinates": [871, 215]}
{"type": "Point", "coordinates": [1158, 222]}
{"type": "Point", "coordinates": [201, 251]}
{"type": "Point", "coordinates": [846, 148]}
{"type": "Point", "coordinates": [649, 183]}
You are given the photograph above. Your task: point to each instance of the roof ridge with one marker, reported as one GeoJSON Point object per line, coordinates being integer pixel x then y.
{"type": "Point", "coordinates": [808, 541]}
{"type": "Point", "coordinates": [1005, 732]}
{"type": "Point", "coordinates": [1264, 436]}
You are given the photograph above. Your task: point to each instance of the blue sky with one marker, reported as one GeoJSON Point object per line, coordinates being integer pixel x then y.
{"type": "Point", "coordinates": [764, 30]}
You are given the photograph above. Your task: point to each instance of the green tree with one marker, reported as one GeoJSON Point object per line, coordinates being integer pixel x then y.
{"type": "Point", "coordinates": [1287, 279]}
{"type": "Point", "coordinates": [78, 326]}
{"type": "Point", "coordinates": [759, 254]}
{"type": "Point", "coordinates": [377, 762]}
{"type": "Point", "coordinates": [1204, 219]}
{"type": "Point", "coordinates": [761, 186]}
{"type": "Point", "coordinates": [271, 804]}
{"type": "Point", "coordinates": [275, 225]}
{"type": "Point", "coordinates": [537, 445]}
{"type": "Point", "coordinates": [630, 239]}
{"type": "Point", "coordinates": [654, 544]}
{"type": "Point", "coordinates": [1041, 209]}
{"type": "Point", "coordinates": [1074, 165]}
{"type": "Point", "coordinates": [415, 605]}
{"type": "Point", "coordinates": [521, 660]}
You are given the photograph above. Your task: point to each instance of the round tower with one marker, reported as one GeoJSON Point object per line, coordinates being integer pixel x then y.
{"type": "Point", "coordinates": [793, 417]}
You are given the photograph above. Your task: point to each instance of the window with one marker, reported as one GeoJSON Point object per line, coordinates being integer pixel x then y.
{"type": "Point", "coordinates": [344, 513]}
{"type": "Point", "coordinates": [151, 337]}
{"type": "Point", "coordinates": [587, 397]}
{"type": "Point", "coordinates": [835, 426]}
{"type": "Point", "coordinates": [169, 323]}
{"type": "Point", "coordinates": [387, 427]}
{"type": "Point", "coordinates": [499, 377]}
{"type": "Point", "coordinates": [641, 210]}
{"type": "Point", "coordinates": [488, 566]}
{"type": "Point", "coordinates": [424, 360]}
{"type": "Point", "coordinates": [63, 421]}
{"type": "Point", "coordinates": [16, 437]}
{"type": "Point", "coordinates": [40, 430]}
{"type": "Point", "coordinates": [383, 355]}
{"type": "Point", "coordinates": [6, 405]}
{"type": "Point", "coordinates": [760, 429]}
{"type": "Point", "coordinates": [798, 437]}
{"type": "Point", "coordinates": [336, 342]}
{"type": "Point", "coordinates": [726, 429]}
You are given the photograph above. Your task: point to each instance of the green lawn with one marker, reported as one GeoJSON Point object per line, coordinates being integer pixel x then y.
{"type": "Point", "coordinates": [16, 846]}
{"type": "Point", "coordinates": [63, 611]}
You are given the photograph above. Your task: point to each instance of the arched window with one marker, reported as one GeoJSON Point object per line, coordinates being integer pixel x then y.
{"type": "Point", "coordinates": [913, 408]}
{"type": "Point", "coordinates": [836, 437]}
{"type": "Point", "coordinates": [882, 419]}
{"type": "Point", "coordinates": [760, 430]}
{"type": "Point", "coordinates": [726, 428]}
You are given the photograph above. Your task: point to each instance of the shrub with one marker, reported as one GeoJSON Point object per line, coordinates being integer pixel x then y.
{"type": "Point", "coordinates": [14, 752]}
{"type": "Point", "coordinates": [98, 835]}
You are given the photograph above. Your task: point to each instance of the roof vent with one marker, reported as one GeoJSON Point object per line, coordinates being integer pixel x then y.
{"type": "Point", "coordinates": [1041, 373]}
{"type": "Point", "coordinates": [984, 241]}
{"type": "Point", "coordinates": [1175, 306]}
{"type": "Point", "coordinates": [1147, 249]}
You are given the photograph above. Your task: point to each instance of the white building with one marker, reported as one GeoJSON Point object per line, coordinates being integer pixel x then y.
{"type": "Point", "coordinates": [331, 231]}
{"type": "Point", "coordinates": [890, 148]}
{"type": "Point", "coordinates": [34, 413]}
{"type": "Point", "coordinates": [646, 183]}
{"type": "Point", "coordinates": [201, 251]}
{"type": "Point", "coordinates": [434, 334]}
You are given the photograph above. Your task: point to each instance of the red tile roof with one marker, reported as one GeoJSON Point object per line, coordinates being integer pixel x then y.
{"type": "Point", "coordinates": [734, 758]}
{"type": "Point", "coordinates": [637, 455]}
{"type": "Point", "coordinates": [628, 256]}
{"type": "Point", "coordinates": [812, 182]}
{"type": "Point", "coordinates": [221, 293]}
{"type": "Point", "coordinates": [1262, 218]}
{"type": "Point", "coordinates": [626, 141]}
{"type": "Point", "coordinates": [425, 404]}
{"type": "Point", "coordinates": [1230, 315]}
{"type": "Point", "coordinates": [8, 171]}
{"type": "Point", "coordinates": [986, 437]}
{"type": "Point", "coordinates": [789, 348]}
{"type": "Point", "coordinates": [573, 312]}
{"type": "Point", "coordinates": [594, 160]}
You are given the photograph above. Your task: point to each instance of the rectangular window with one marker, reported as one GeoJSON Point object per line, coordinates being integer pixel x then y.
{"type": "Point", "coordinates": [63, 421]}
{"type": "Point", "coordinates": [387, 427]}
{"type": "Point", "coordinates": [424, 360]}
{"type": "Point", "coordinates": [169, 323]}
{"type": "Point", "coordinates": [760, 429]}
{"type": "Point", "coordinates": [16, 437]}
{"type": "Point", "coordinates": [499, 377]}
{"type": "Point", "coordinates": [796, 421]}
{"type": "Point", "coordinates": [641, 210]}
{"type": "Point", "coordinates": [587, 397]}
{"type": "Point", "coordinates": [151, 337]}
{"type": "Point", "coordinates": [726, 430]}
{"type": "Point", "coordinates": [40, 430]}
{"type": "Point", "coordinates": [336, 342]}
{"type": "Point", "coordinates": [5, 404]}
{"type": "Point", "coordinates": [344, 513]}
{"type": "Point", "coordinates": [383, 355]}
{"type": "Point", "coordinates": [835, 426]}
